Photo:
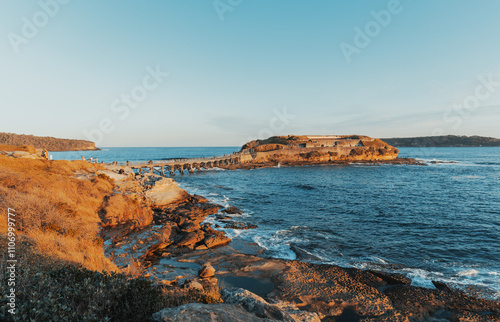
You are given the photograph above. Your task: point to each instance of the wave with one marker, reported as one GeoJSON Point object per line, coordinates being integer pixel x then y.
{"type": "Point", "coordinates": [488, 163]}
{"type": "Point", "coordinates": [223, 187]}
{"type": "Point", "coordinates": [437, 161]}
{"type": "Point", "coordinates": [305, 187]}
{"type": "Point", "coordinates": [468, 272]}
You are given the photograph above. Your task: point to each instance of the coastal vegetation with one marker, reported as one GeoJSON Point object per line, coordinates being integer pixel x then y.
{"type": "Point", "coordinates": [444, 141]}
{"type": "Point", "coordinates": [45, 142]}
{"type": "Point", "coordinates": [65, 273]}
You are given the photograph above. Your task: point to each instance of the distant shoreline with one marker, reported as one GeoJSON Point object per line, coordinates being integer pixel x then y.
{"type": "Point", "coordinates": [451, 141]}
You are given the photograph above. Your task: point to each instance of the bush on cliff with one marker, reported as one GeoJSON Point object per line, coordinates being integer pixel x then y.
{"type": "Point", "coordinates": [49, 289]}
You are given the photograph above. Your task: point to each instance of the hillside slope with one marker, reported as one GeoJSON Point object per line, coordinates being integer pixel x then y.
{"type": "Point", "coordinates": [443, 141]}
{"type": "Point", "coordinates": [46, 142]}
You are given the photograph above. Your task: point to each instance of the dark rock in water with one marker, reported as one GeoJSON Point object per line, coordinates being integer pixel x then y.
{"type": "Point", "coordinates": [240, 225]}
{"type": "Point", "coordinates": [232, 211]}
{"type": "Point", "coordinates": [197, 312]}
{"type": "Point", "coordinates": [198, 199]}
{"type": "Point", "coordinates": [303, 255]}
{"type": "Point", "coordinates": [348, 315]}
{"type": "Point", "coordinates": [441, 286]}
{"type": "Point", "coordinates": [222, 217]}
{"type": "Point", "coordinates": [206, 271]}
{"type": "Point", "coordinates": [392, 278]}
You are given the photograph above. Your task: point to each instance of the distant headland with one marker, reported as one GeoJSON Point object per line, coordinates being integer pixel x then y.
{"type": "Point", "coordinates": [444, 141]}
{"type": "Point", "coordinates": [46, 142]}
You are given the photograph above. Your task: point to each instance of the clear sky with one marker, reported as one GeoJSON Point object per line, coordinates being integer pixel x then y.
{"type": "Point", "coordinates": [244, 69]}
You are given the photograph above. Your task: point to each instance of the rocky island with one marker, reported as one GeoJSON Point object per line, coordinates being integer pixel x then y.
{"type": "Point", "coordinates": [315, 149]}
{"type": "Point", "coordinates": [99, 243]}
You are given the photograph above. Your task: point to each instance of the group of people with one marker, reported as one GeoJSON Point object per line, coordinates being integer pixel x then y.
{"type": "Point", "coordinates": [91, 159]}
{"type": "Point", "coordinates": [45, 154]}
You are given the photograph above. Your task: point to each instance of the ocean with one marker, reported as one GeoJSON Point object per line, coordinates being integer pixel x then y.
{"type": "Point", "coordinates": [438, 222]}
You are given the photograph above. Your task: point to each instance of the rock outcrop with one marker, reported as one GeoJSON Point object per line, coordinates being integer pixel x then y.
{"type": "Point", "coordinates": [161, 191]}
{"type": "Point", "coordinates": [206, 271]}
{"type": "Point", "coordinates": [239, 305]}
{"type": "Point", "coordinates": [317, 149]}
{"type": "Point", "coordinates": [196, 312]}
{"type": "Point", "coordinates": [256, 305]}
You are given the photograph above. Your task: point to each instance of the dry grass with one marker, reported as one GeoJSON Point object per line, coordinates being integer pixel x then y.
{"type": "Point", "coordinates": [24, 148]}
{"type": "Point", "coordinates": [58, 211]}
{"type": "Point", "coordinates": [50, 289]}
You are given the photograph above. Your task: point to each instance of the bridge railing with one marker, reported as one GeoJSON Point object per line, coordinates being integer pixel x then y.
{"type": "Point", "coordinates": [174, 161]}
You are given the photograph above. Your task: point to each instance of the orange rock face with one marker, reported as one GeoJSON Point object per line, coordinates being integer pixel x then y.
{"type": "Point", "coordinates": [317, 149]}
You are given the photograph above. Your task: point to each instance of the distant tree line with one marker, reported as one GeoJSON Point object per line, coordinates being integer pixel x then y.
{"type": "Point", "coordinates": [48, 143]}
{"type": "Point", "coordinates": [444, 141]}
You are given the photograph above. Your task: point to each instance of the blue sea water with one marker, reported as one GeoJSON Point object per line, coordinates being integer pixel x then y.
{"type": "Point", "coordinates": [435, 222]}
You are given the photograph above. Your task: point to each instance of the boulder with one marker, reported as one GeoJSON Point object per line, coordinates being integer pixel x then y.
{"type": "Point", "coordinates": [232, 211]}
{"type": "Point", "coordinates": [193, 285]}
{"type": "Point", "coordinates": [190, 239]}
{"type": "Point", "coordinates": [162, 191]}
{"type": "Point", "coordinates": [219, 239]}
{"type": "Point", "coordinates": [392, 278]}
{"type": "Point", "coordinates": [197, 312]}
{"type": "Point", "coordinates": [258, 306]}
{"type": "Point", "coordinates": [206, 271]}
{"type": "Point", "coordinates": [442, 286]}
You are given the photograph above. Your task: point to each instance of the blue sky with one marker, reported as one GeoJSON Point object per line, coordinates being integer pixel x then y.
{"type": "Point", "coordinates": [416, 68]}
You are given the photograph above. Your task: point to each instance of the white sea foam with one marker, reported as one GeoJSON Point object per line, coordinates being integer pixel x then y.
{"type": "Point", "coordinates": [468, 272]}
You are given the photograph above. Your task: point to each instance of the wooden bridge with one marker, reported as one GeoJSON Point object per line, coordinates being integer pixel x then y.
{"type": "Point", "coordinates": [163, 167]}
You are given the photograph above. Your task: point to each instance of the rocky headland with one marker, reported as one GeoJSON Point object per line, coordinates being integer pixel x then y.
{"type": "Point", "coordinates": [46, 142]}
{"type": "Point", "coordinates": [146, 227]}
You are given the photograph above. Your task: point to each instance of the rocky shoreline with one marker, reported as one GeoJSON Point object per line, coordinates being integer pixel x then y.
{"type": "Point", "coordinates": [172, 245]}
{"type": "Point", "coordinates": [396, 161]}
